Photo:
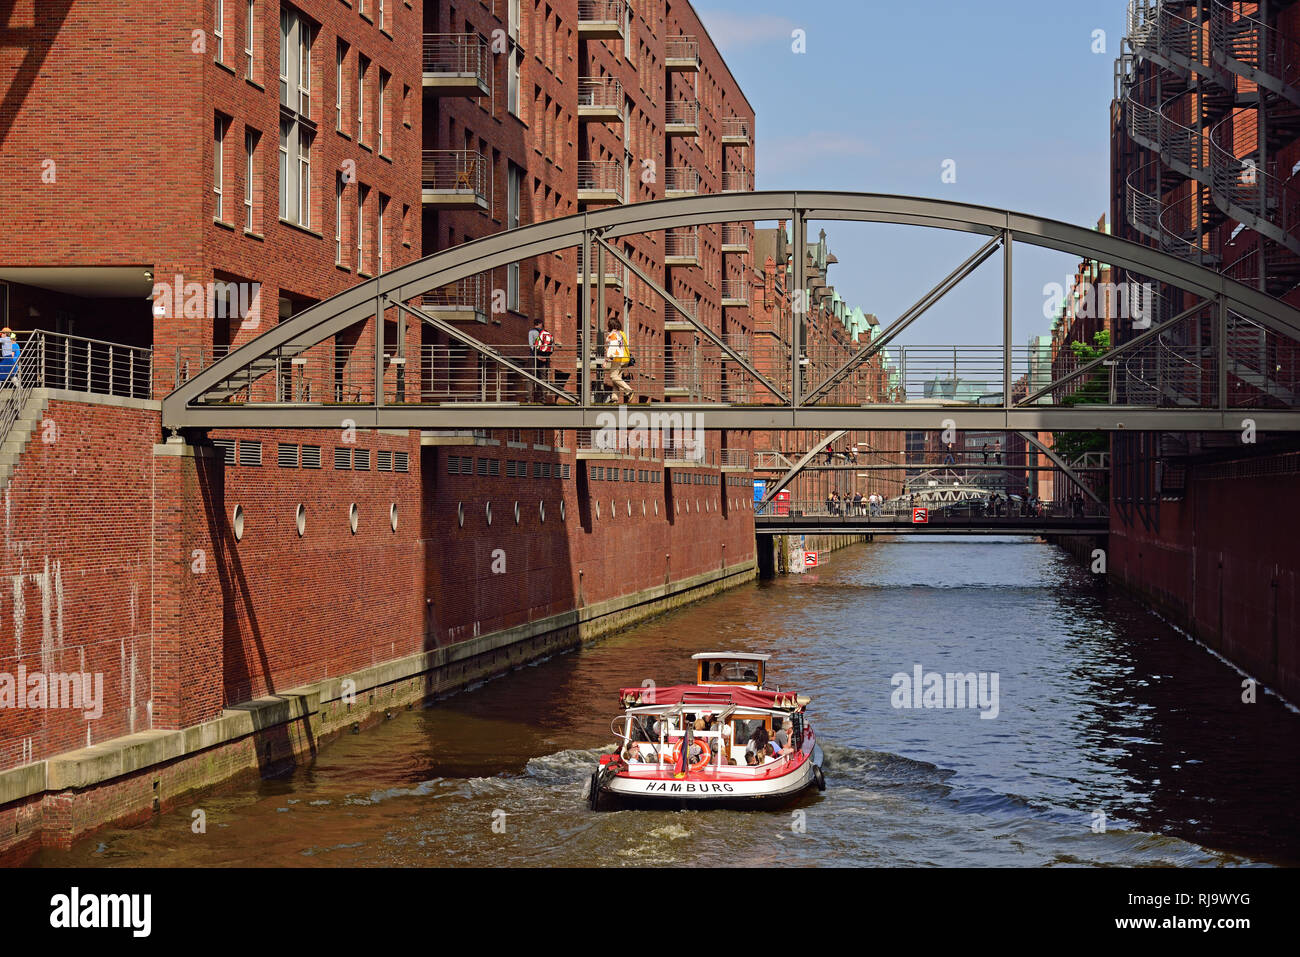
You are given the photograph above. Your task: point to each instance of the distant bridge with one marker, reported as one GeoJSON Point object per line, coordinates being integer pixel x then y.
{"type": "Point", "coordinates": [937, 525]}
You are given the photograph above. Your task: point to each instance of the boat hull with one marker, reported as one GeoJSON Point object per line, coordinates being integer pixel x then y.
{"type": "Point", "coordinates": [706, 791]}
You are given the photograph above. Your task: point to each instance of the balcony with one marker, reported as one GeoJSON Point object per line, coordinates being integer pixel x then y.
{"type": "Point", "coordinates": [681, 181]}
{"type": "Point", "coordinates": [736, 131]}
{"type": "Point", "coordinates": [735, 460]}
{"type": "Point", "coordinates": [676, 320]}
{"type": "Point", "coordinates": [682, 118]}
{"type": "Point", "coordinates": [455, 179]}
{"type": "Point", "coordinates": [682, 247]}
{"type": "Point", "coordinates": [456, 64]}
{"type": "Point", "coordinates": [601, 181]}
{"type": "Point", "coordinates": [602, 19]}
{"type": "Point", "coordinates": [682, 53]}
{"type": "Point", "coordinates": [735, 292]}
{"type": "Point", "coordinates": [600, 98]}
{"type": "Point", "coordinates": [614, 272]}
{"type": "Point", "coordinates": [736, 238]}
{"type": "Point", "coordinates": [681, 378]}
{"type": "Point", "coordinates": [464, 301]}
{"type": "Point", "coordinates": [737, 181]}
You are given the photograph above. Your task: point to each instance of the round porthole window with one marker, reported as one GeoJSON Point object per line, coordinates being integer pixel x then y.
{"type": "Point", "coordinates": [237, 521]}
{"type": "Point", "coordinates": [677, 507]}
{"type": "Point", "coordinates": [561, 511]}
{"type": "Point", "coordinates": [656, 504]}
{"type": "Point", "coordinates": [629, 508]}
{"type": "Point", "coordinates": [516, 513]}
{"type": "Point", "coordinates": [541, 511]}
{"type": "Point", "coordinates": [392, 516]}
{"type": "Point", "coordinates": [598, 510]}
{"type": "Point", "coordinates": [460, 514]}
{"type": "Point", "coordinates": [487, 510]}
{"type": "Point", "coordinates": [300, 519]}
{"type": "Point", "coordinates": [353, 517]}
{"type": "Point", "coordinates": [643, 511]}
{"type": "Point", "coordinates": [613, 509]}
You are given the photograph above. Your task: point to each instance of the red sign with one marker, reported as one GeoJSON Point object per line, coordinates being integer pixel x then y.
{"type": "Point", "coordinates": [809, 559]}
{"type": "Point", "coordinates": [920, 516]}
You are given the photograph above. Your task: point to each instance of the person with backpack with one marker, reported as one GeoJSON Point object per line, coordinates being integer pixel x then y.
{"type": "Point", "coordinates": [541, 346]}
{"type": "Point", "coordinates": [9, 352]}
{"type": "Point", "coordinates": [616, 360]}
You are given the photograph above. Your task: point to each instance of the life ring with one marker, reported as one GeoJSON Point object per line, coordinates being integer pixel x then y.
{"type": "Point", "coordinates": [674, 752]}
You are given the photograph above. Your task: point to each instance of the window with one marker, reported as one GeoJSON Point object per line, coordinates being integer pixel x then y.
{"type": "Point", "coordinates": [515, 185]}
{"type": "Point", "coordinates": [287, 456]}
{"type": "Point", "coordinates": [227, 449]}
{"type": "Point", "coordinates": [219, 31]}
{"type": "Point", "coordinates": [338, 218]}
{"type": "Point", "coordinates": [340, 57]}
{"type": "Point", "coordinates": [311, 456]}
{"type": "Point", "coordinates": [379, 234]}
{"type": "Point", "coordinates": [250, 176]}
{"type": "Point", "coordinates": [250, 34]}
{"type": "Point", "coordinates": [380, 109]}
{"type": "Point", "coordinates": [363, 67]}
{"type": "Point", "coordinates": [361, 460]}
{"type": "Point", "coordinates": [219, 127]}
{"type": "Point", "coordinates": [512, 65]}
{"type": "Point", "coordinates": [362, 193]}
{"type": "Point", "coordinates": [296, 130]}
{"type": "Point", "coordinates": [342, 458]}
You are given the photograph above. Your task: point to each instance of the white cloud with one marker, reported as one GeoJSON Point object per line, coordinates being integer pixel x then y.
{"type": "Point", "coordinates": [732, 30]}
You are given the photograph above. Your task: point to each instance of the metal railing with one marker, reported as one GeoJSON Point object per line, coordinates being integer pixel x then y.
{"type": "Point", "coordinates": [734, 127]}
{"type": "Point", "coordinates": [602, 11]}
{"type": "Point", "coordinates": [455, 171]}
{"type": "Point", "coordinates": [682, 113]}
{"type": "Point", "coordinates": [600, 93]}
{"type": "Point", "coordinates": [734, 234]}
{"type": "Point", "coordinates": [737, 181]}
{"type": "Point", "coordinates": [601, 176]}
{"type": "Point", "coordinates": [736, 290]}
{"type": "Point", "coordinates": [682, 48]}
{"type": "Point", "coordinates": [469, 295]}
{"type": "Point", "coordinates": [1252, 49]}
{"type": "Point", "coordinates": [682, 179]}
{"type": "Point", "coordinates": [457, 54]}
{"type": "Point", "coordinates": [1153, 25]}
{"type": "Point", "coordinates": [18, 377]}
{"type": "Point", "coordinates": [734, 459]}
{"type": "Point", "coordinates": [51, 360]}
{"type": "Point", "coordinates": [682, 243]}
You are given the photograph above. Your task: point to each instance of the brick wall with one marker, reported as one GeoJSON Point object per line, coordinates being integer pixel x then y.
{"type": "Point", "coordinates": [76, 583]}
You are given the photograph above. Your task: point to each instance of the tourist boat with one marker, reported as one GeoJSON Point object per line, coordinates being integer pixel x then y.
{"type": "Point", "coordinates": [689, 745]}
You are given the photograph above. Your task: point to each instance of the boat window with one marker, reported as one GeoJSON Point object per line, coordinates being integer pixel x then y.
{"type": "Point", "coordinates": [742, 672]}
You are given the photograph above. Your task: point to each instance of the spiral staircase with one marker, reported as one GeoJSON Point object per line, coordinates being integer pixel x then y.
{"type": "Point", "coordinates": [1213, 95]}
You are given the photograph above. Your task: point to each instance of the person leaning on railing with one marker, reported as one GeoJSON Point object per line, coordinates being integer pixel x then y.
{"type": "Point", "coordinates": [9, 353]}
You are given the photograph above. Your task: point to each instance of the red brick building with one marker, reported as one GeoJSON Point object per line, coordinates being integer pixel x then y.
{"type": "Point", "coordinates": [303, 147]}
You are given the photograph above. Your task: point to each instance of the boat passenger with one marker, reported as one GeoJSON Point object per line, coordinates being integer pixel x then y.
{"type": "Point", "coordinates": [784, 739]}
{"type": "Point", "coordinates": [756, 750]}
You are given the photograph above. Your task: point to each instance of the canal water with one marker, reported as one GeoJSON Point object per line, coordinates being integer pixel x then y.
{"type": "Point", "coordinates": [1116, 741]}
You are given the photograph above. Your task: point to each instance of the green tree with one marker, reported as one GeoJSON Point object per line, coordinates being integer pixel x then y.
{"type": "Point", "coordinates": [1095, 390]}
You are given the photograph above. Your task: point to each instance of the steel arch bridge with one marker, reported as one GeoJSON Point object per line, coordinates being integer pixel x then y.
{"type": "Point", "coordinates": [251, 387]}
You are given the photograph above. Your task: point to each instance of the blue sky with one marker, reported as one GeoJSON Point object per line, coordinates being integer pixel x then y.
{"type": "Point", "coordinates": [886, 92]}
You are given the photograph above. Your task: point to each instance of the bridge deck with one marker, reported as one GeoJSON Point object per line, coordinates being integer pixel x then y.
{"type": "Point", "coordinates": [903, 525]}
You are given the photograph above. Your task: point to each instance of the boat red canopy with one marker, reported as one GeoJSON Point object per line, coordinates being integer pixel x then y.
{"type": "Point", "coordinates": [713, 696]}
